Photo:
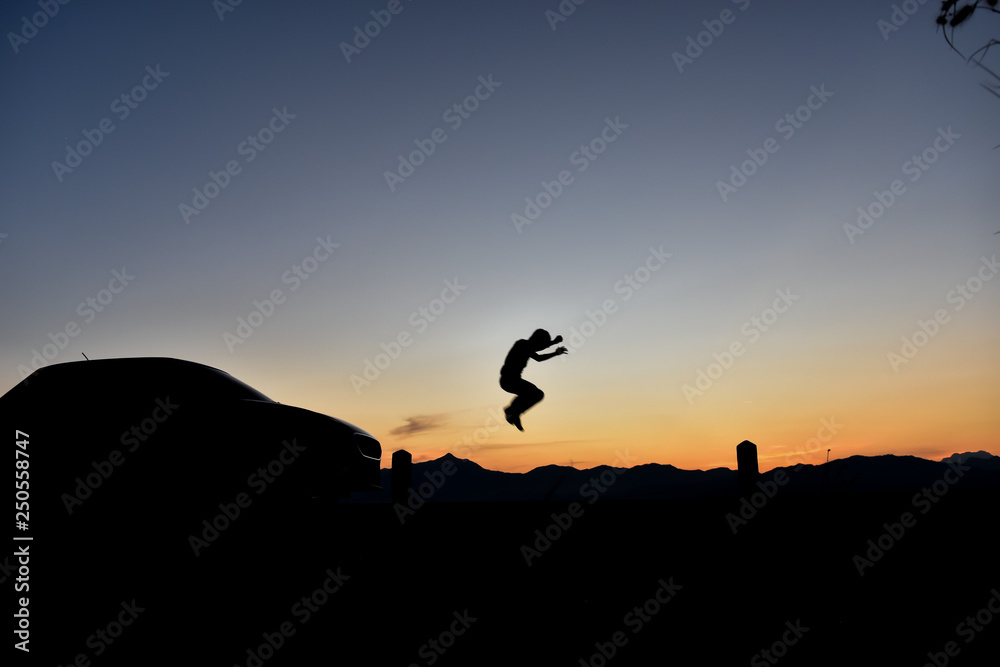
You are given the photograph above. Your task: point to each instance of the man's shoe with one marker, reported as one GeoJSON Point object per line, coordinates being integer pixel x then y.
{"type": "Point", "coordinates": [513, 419]}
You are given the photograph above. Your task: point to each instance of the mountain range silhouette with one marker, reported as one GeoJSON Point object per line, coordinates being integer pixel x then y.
{"type": "Point", "coordinates": [470, 482]}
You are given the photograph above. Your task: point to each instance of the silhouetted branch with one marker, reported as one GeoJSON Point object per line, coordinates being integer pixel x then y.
{"type": "Point", "coordinates": [952, 16]}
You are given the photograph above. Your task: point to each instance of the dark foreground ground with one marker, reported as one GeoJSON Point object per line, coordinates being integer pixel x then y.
{"type": "Point", "coordinates": [625, 583]}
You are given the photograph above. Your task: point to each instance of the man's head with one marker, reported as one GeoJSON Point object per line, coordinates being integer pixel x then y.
{"type": "Point", "coordinates": [540, 339]}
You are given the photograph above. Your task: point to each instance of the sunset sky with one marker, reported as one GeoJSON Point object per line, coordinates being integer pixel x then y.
{"type": "Point", "coordinates": [686, 215]}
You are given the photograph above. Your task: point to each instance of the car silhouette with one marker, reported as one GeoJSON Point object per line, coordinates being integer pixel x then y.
{"type": "Point", "coordinates": [158, 423]}
{"type": "Point", "coordinates": [164, 481]}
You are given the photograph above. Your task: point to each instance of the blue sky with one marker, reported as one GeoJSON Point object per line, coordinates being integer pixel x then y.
{"type": "Point", "coordinates": [320, 183]}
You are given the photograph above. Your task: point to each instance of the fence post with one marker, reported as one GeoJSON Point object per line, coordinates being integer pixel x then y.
{"type": "Point", "coordinates": [748, 472]}
{"type": "Point", "coordinates": [402, 476]}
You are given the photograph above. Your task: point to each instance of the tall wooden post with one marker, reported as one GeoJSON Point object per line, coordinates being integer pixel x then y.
{"type": "Point", "coordinates": [748, 472]}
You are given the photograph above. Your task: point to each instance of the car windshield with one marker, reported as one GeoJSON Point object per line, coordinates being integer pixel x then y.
{"type": "Point", "coordinates": [222, 385]}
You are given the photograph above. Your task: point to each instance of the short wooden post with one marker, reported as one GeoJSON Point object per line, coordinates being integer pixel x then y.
{"type": "Point", "coordinates": [402, 476]}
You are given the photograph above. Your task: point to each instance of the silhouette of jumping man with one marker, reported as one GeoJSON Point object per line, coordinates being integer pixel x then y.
{"type": "Point", "coordinates": [527, 394]}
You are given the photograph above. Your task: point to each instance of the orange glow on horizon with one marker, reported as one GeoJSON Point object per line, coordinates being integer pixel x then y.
{"type": "Point", "coordinates": [794, 405]}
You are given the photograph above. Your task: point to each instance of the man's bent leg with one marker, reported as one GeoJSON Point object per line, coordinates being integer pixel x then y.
{"type": "Point", "coordinates": [527, 395]}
